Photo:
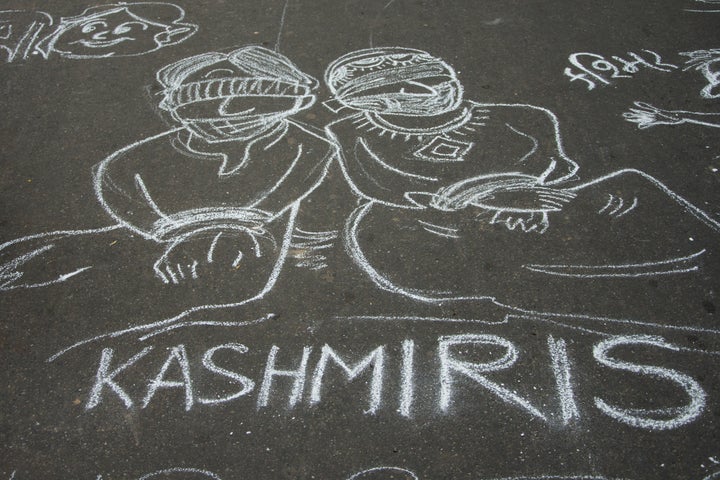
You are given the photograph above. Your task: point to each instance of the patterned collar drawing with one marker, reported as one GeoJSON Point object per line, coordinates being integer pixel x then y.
{"type": "Point", "coordinates": [113, 30]}
{"type": "Point", "coordinates": [449, 123]}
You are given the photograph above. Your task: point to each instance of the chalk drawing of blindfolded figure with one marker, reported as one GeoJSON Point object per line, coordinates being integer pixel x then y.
{"type": "Point", "coordinates": [492, 207]}
{"type": "Point", "coordinates": [114, 30]}
{"type": "Point", "coordinates": [219, 192]}
{"type": "Point", "coordinates": [236, 166]}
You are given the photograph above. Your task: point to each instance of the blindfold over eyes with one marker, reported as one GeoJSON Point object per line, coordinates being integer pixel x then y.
{"type": "Point", "coordinates": [389, 76]}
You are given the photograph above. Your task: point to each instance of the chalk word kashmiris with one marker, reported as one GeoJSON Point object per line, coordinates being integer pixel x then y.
{"type": "Point", "coordinates": [594, 69]}
{"type": "Point", "coordinates": [297, 376]}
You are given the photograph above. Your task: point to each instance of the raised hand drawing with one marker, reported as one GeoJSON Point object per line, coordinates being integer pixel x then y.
{"type": "Point", "coordinates": [218, 193]}
{"type": "Point", "coordinates": [646, 115]}
{"type": "Point", "coordinates": [492, 183]}
{"type": "Point", "coordinates": [707, 62]}
{"type": "Point", "coordinates": [113, 30]}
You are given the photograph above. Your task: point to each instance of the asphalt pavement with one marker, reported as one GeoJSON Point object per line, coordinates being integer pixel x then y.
{"type": "Point", "coordinates": [372, 240]}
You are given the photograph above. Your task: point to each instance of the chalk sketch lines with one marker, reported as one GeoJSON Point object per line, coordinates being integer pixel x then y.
{"type": "Point", "coordinates": [233, 114]}
{"type": "Point", "coordinates": [707, 62]}
{"type": "Point", "coordinates": [308, 248]}
{"type": "Point", "coordinates": [113, 30]}
{"type": "Point", "coordinates": [684, 264]}
{"type": "Point", "coordinates": [617, 207]}
{"type": "Point", "coordinates": [392, 123]}
{"type": "Point", "coordinates": [23, 261]}
{"type": "Point", "coordinates": [445, 141]}
{"type": "Point", "coordinates": [584, 323]}
{"type": "Point", "coordinates": [234, 108]}
{"type": "Point", "coordinates": [709, 3]}
{"type": "Point", "coordinates": [384, 473]}
{"type": "Point", "coordinates": [154, 329]}
{"type": "Point", "coordinates": [373, 473]}
{"type": "Point", "coordinates": [594, 69]}
{"type": "Point", "coordinates": [168, 473]}
{"type": "Point", "coordinates": [19, 31]}
{"type": "Point", "coordinates": [595, 325]}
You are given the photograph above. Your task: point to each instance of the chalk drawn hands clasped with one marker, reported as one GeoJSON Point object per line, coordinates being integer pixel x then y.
{"type": "Point", "coordinates": [220, 250]}
{"type": "Point", "coordinates": [519, 202]}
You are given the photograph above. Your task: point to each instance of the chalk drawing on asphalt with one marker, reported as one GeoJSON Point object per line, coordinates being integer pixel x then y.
{"type": "Point", "coordinates": [707, 62]}
{"type": "Point", "coordinates": [596, 70]}
{"type": "Point", "coordinates": [113, 30]}
{"type": "Point", "coordinates": [382, 473]}
{"type": "Point", "coordinates": [233, 118]}
{"type": "Point", "coordinates": [421, 159]}
{"type": "Point", "coordinates": [646, 115]}
{"type": "Point", "coordinates": [181, 472]}
{"type": "Point", "coordinates": [410, 144]}
{"type": "Point", "coordinates": [705, 6]}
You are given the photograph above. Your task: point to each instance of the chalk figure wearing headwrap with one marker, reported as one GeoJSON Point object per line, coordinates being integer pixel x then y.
{"type": "Point", "coordinates": [467, 200]}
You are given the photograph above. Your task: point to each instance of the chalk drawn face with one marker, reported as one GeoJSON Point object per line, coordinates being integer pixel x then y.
{"type": "Point", "coordinates": [395, 81]}
{"type": "Point", "coordinates": [215, 93]}
{"type": "Point", "coordinates": [118, 31]}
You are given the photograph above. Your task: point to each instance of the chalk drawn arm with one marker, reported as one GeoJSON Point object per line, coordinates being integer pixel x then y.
{"type": "Point", "coordinates": [539, 127]}
{"type": "Point", "coordinates": [515, 200]}
{"type": "Point", "coordinates": [646, 115]}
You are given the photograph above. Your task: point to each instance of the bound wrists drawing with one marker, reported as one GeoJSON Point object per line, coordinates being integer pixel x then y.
{"type": "Point", "coordinates": [455, 200]}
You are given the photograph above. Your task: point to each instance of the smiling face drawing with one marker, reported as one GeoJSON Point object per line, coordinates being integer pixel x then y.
{"type": "Point", "coordinates": [394, 81]}
{"type": "Point", "coordinates": [219, 95]}
{"type": "Point", "coordinates": [120, 30]}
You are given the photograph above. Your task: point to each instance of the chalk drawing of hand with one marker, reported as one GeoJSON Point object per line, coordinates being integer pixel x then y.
{"type": "Point", "coordinates": [646, 116]}
{"type": "Point", "coordinates": [512, 192]}
{"type": "Point", "coordinates": [196, 254]}
{"type": "Point", "coordinates": [34, 261]}
{"type": "Point", "coordinates": [527, 222]}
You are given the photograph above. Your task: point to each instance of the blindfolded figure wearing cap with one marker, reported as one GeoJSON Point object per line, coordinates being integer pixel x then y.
{"type": "Point", "coordinates": [232, 173]}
